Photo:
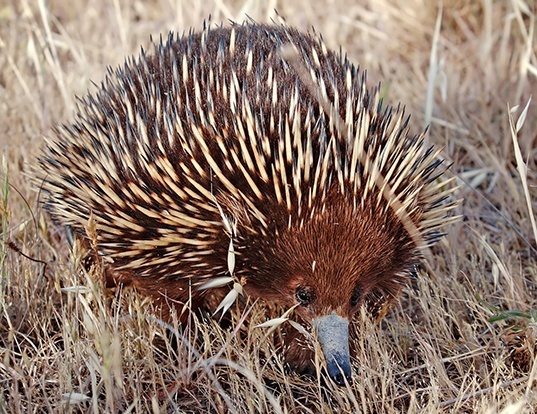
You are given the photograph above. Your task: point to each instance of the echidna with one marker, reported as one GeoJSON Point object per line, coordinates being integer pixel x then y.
{"type": "Point", "coordinates": [217, 140]}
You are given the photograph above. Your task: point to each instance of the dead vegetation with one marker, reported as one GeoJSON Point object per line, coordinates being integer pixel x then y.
{"type": "Point", "coordinates": [463, 337]}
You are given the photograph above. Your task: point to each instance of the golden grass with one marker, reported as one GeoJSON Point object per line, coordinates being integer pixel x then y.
{"type": "Point", "coordinates": [462, 338]}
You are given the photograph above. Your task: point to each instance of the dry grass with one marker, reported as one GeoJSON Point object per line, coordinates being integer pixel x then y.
{"type": "Point", "coordinates": [463, 337]}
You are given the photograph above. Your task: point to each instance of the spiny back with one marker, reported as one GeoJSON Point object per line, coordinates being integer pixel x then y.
{"type": "Point", "coordinates": [218, 126]}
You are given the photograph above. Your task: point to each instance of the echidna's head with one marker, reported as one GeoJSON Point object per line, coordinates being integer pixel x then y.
{"type": "Point", "coordinates": [344, 256]}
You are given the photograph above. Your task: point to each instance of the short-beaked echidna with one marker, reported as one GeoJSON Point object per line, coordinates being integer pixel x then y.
{"type": "Point", "coordinates": [217, 144]}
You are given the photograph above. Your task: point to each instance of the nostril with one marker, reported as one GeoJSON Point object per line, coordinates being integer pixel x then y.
{"type": "Point", "coordinates": [339, 379]}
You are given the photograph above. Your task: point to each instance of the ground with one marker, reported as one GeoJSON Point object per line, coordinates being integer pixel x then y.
{"type": "Point", "coordinates": [462, 338]}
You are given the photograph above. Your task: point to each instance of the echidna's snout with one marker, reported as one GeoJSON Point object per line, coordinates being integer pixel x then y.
{"type": "Point", "coordinates": [333, 334]}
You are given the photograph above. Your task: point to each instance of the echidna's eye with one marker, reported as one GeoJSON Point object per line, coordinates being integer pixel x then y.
{"type": "Point", "coordinates": [356, 295]}
{"type": "Point", "coordinates": [303, 296]}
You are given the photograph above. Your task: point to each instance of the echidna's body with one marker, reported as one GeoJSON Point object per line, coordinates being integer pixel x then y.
{"type": "Point", "coordinates": [216, 138]}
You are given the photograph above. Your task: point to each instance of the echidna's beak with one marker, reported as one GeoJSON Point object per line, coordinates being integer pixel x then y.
{"type": "Point", "coordinates": [333, 334]}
